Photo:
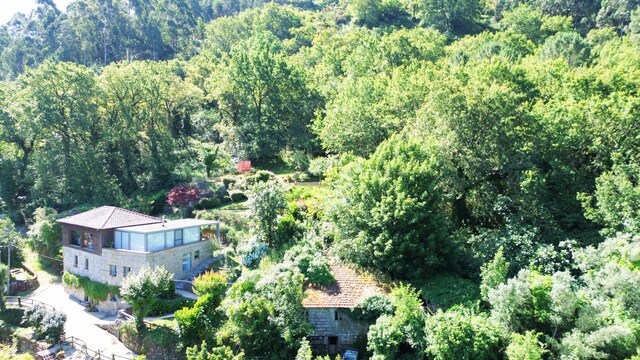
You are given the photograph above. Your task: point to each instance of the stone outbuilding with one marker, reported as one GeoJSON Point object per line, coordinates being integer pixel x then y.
{"type": "Point", "coordinates": [328, 309]}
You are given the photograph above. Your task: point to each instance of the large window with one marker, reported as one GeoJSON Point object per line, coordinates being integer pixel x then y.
{"type": "Point", "coordinates": [191, 235]}
{"type": "Point", "coordinates": [87, 240]}
{"type": "Point", "coordinates": [74, 238]}
{"type": "Point", "coordinates": [171, 238]}
{"type": "Point", "coordinates": [155, 241]}
{"type": "Point", "coordinates": [137, 242]}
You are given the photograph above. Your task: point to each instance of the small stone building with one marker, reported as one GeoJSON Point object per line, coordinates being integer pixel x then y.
{"type": "Point", "coordinates": [328, 310]}
{"type": "Point", "coordinates": [108, 243]}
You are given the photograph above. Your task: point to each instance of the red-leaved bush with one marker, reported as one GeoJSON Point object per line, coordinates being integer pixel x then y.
{"type": "Point", "coordinates": [244, 167]}
{"type": "Point", "coordinates": [182, 195]}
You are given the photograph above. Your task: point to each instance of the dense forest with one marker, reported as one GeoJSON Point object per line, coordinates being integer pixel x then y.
{"type": "Point", "coordinates": [489, 147]}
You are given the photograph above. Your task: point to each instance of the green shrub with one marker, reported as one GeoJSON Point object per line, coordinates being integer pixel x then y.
{"type": "Point", "coordinates": [260, 176]}
{"type": "Point", "coordinates": [228, 181]}
{"type": "Point", "coordinates": [159, 306]}
{"type": "Point", "coordinates": [311, 263]}
{"type": "Point", "coordinates": [446, 291]}
{"type": "Point", "coordinates": [372, 308]}
{"type": "Point", "coordinates": [209, 203]}
{"type": "Point", "coordinates": [288, 230]}
{"type": "Point", "coordinates": [296, 159]}
{"type": "Point", "coordinates": [47, 324]}
{"type": "Point", "coordinates": [237, 196]}
{"type": "Point", "coordinates": [210, 282]}
{"type": "Point", "coordinates": [12, 316]}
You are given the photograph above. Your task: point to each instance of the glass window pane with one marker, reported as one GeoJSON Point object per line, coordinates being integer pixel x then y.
{"type": "Point", "coordinates": [191, 235]}
{"type": "Point", "coordinates": [118, 238]}
{"type": "Point", "coordinates": [137, 242]}
{"type": "Point", "coordinates": [155, 241]}
{"type": "Point", "coordinates": [170, 238]}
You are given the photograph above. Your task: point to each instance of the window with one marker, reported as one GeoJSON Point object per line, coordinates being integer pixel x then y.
{"type": "Point", "coordinates": [122, 240]}
{"type": "Point", "coordinates": [155, 241]}
{"type": "Point", "coordinates": [333, 340]}
{"type": "Point", "coordinates": [86, 264]}
{"type": "Point", "coordinates": [170, 238]}
{"type": "Point", "coordinates": [113, 270]}
{"type": "Point", "coordinates": [196, 255]}
{"type": "Point", "coordinates": [125, 270]}
{"type": "Point", "coordinates": [191, 235]}
{"type": "Point", "coordinates": [87, 240]}
{"type": "Point", "coordinates": [337, 315]}
{"type": "Point", "coordinates": [177, 237]}
{"type": "Point", "coordinates": [186, 262]}
{"type": "Point", "coordinates": [75, 261]}
{"type": "Point", "coordinates": [74, 238]}
{"type": "Point", "coordinates": [137, 242]}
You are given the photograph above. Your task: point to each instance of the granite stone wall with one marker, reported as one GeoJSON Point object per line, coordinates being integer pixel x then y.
{"type": "Point", "coordinates": [332, 322]}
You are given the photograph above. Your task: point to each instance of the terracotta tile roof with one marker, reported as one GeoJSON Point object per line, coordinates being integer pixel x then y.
{"type": "Point", "coordinates": [350, 288]}
{"type": "Point", "coordinates": [109, 217]}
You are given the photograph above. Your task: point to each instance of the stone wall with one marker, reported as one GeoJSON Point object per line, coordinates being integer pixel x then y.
{"type": "Point", "coordinates": [99, 266]}
{"type": "Point", "coordinates": [348, 331]}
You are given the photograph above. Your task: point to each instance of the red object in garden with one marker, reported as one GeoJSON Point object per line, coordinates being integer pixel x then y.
{"type": "Point", "coordinates": [182, 195]}
{"type": "Point", "coordinates": [244, 167]}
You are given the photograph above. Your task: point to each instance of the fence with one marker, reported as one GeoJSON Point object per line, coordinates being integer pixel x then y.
{"type": "Point", "coordinates": [81, 346]}
{"type": "Point", "coordinates": [22, 302]}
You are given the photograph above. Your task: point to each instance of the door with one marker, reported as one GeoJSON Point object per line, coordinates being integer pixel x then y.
{"type": "Point", "coordinates": [186, 262]}
{"type": "Point", "coordinates": [333, 345]}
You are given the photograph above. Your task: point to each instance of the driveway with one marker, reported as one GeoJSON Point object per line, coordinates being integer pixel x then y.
{"type": "Point", "coordinates": [82, 324]}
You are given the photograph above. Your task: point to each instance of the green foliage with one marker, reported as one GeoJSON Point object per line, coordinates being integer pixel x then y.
{"type": "Point", "coordinates": [525, 347]}
{"type": "Point", "coordinates": [159, 306]}
{"type": "Point", "coordinates": [12, 316]}
{"type": "Point", "coordinates": [445, 291]}
{"type": "Point", "coordinates": [462, 335]}
{"type": "Point", "coordinates": [404, 331]}
{"type": "Point", "coordinates": [569, 46]}
{"type": "Point", "coordinates": [493, 274]}
{"type": "Point", "coordinates": [390, 210]}
{"type": "Point", "coordinates": [45, 233]}
{"type": "Point", "coordinates": [311, 263]}
{"type": "Point", "coordinates": [265, 314]}
{"type": "Point", "coordinates": [4, 272]}
{"type": "Point", "coordinates": [616, 202]}
{"type": "Point", "coordinates": [140, 290]}
{"type": "Point", "coordinates": [210, 282]}
{"type": "Point", "coordinates": [266, 203]}
{"type": "Point", "coordinates": [94, 290]}
{"type": "Point", "coordinates": [199, 322]}
{"type": "Point", "coordinates": [9, 235]}
{"type": "Point", "coordinates": [47, 324]}
{"type": "Point", "coordinates": [202, 352]}
{"type": "Point", "coordinates": [372, 308]}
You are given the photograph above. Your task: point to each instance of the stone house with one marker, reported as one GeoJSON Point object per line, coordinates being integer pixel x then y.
{"type": "Point", "coordinates": [328, 309]}
{"type": "Point", "coordinates": [107, 243]}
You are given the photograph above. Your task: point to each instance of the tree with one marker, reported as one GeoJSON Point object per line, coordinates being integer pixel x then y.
{"type": "Point", "coordinates": [462, 335]}
{"type": "Point", "coordinates": [210, 282]}
{"type": "Point", "coordinates": [569, 46]}
{"type": "Point", "coordinates": [525, 347]}
{"type": "Point", "coordinates": [390, 210]}
{"type": "Point", "coordinates": [141, 289]}
{"type": "Point", "coordinates": [47, 324]}
{"type": "Point", "coordinates": [449, 16]}
{"type": "Point", "coordinates": [183, 196]}
{"type": "Point", "coordinates": [404, 331]}
{"type": "Point", "coordinates": [616, 202]}
{"type": "Point", "coordinates": [266, 203]}
{"type": "Point", "coordinates": [493, 274]}
{"type": "Point", "coordinates": [4, 273]}
{"type": "Point", "coordinates": [46, 233]}
{"type": "Point", "coordinates": [265, 104]}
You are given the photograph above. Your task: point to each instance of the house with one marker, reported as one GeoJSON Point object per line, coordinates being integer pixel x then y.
{"type": "Point", "coordinates": [328, 309]}
{"type": "Point", "coordinates": [107, 243]}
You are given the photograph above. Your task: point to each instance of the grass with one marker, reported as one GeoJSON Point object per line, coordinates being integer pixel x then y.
{"type": "Point", "coordinates": [231, 263]}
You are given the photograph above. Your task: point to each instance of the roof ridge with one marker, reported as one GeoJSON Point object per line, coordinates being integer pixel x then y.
{"type": "Point", "coordinates": [138, 213]}
{"type": "Point", "coordinates": [108, 217]}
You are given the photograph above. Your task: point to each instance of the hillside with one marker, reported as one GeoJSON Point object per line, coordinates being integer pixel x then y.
{"type": "Point", "coordinates": [479, 157]}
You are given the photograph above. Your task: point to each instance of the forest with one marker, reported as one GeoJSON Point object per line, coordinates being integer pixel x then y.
{"type": "Point", "coordinates": [482, 156]}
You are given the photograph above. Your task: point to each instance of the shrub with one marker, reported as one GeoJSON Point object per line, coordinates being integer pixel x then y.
{"type": "Point", "coordinates": [228, 181]}
{"type": "Point", "coordinates": [256, 252]}
{"type": "Point", "coordinates": [182, 195]}
{"type": "Point", "coordinates": [159, 306]}
{"type": "Point", "coordinates": [372, 308]}
{"type": "Point", "coordinates": [288, 229]}
{"type": "Point", "coordinates": [319, 166]}
{"type": "Point", "coordinates": [12, 316]}
{"type": "Point", "coordinates": [244, 167]}
{"type": "Point", "coordinates": [47, 324]}
{"type": "Point", "coordinates": [210, 282]}
{"type": "Point", "coordinates": [311, 263]}
{"type": "Point", "coordinates": [209, 203]}
{"type": "Point", "coordinates": [237, 196]}
{"type": "Point", "coordinates": [301, 177]}
{"type": "Point", "coordinates": [297, 159]}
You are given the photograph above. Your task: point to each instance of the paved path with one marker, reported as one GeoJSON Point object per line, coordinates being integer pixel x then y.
{"type": "Point", "coordinates": [82, 324]}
